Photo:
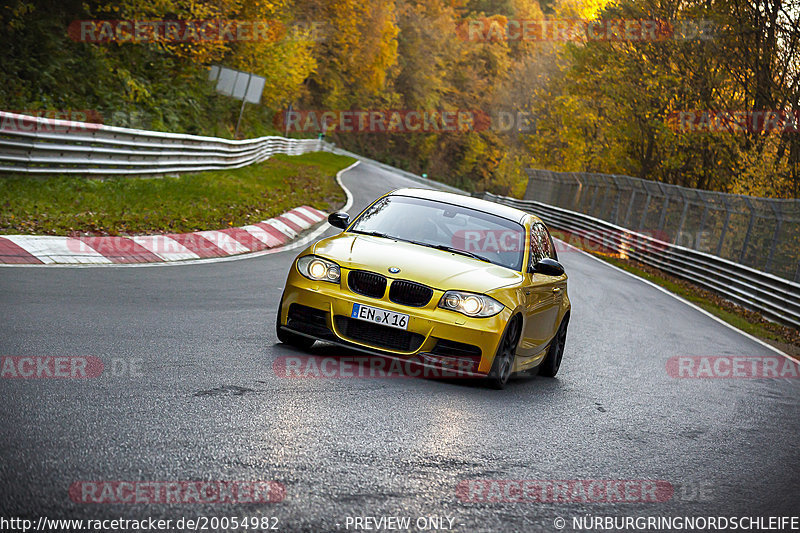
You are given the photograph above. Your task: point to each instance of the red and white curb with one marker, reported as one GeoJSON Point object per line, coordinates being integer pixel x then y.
{"type": "Point", "coordinates": [48, 250]}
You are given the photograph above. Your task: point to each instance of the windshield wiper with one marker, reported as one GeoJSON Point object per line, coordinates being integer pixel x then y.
{"type": "Point", "coordinates": [442, 247]}
{"type": "Point", "coordinates": [459, 251]}
{"type": "Point", "coordinates": [446, 248]}
{"type": "Point", "coordinates": [374, 234]}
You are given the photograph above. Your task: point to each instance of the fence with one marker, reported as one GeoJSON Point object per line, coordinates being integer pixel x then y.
{"type": "Point", "coordinates": [43, 145]}
{"type": "Point", "coordinates": [757, 232]}
{"type": "Point", "coordinates": [774, 297]}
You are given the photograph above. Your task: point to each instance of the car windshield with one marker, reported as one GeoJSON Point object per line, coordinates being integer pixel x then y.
{"type": "Point", "coordinates": [448, 227]}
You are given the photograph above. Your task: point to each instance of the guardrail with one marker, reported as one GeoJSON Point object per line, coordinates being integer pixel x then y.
{"type": "Point", "coordinates": [776, 298]}
{"type": "Point", "coordinates": [42, 145]}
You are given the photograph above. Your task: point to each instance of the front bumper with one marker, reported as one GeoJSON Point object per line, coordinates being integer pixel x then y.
{"type": "Point", "coordinates": [435, 338]}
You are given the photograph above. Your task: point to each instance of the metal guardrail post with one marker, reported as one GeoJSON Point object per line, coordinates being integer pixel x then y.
{"type": "Point", "coordinates": [724, 225]}
{"type": "Point", "coordinates": [614, 215]}
{"type": "Point", "coordinates": [778, 223]}
{"type": "Point", "coordinates": [630, 206]}
{"type": "Point", "coordinates": [746, 241]}
{"type": "Point", "coordinates": [703, 217]}
{"type": "Point", "coordinates": [683, 216]}
{"type": "Point", "coordinates": [595, 194]}
{"type": "Point", "coordinates": [574, 194]}
{"type": "Point", "coordinates": [583, 191]}
{"type": "Point", "coordinates": [644, 212]}
{"type": "Point", "coordinates": [662, 220]}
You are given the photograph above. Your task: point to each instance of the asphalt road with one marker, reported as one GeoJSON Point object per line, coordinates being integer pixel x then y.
{"type": "Point", "coordinates": [196, 398]}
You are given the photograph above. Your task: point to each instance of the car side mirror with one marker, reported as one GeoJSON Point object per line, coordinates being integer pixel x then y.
{"type": "Point", "coordinates": [339, 220]}
{"type": "Point", "coordinates": [548, 267]}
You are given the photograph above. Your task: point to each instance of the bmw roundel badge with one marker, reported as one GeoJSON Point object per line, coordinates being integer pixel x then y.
{"type": "Point", "coordinates": [394, 270]}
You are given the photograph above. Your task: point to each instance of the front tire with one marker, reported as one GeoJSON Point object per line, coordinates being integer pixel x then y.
{"type": "Point", "coordinates": [551, 364]}
{"type": "Point", "coordinates": [287, 337]}
{"type": "Point", "coordinates": [503, 364]}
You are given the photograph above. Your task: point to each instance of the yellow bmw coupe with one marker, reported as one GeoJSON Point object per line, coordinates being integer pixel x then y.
{"type": "Point", "coordinates": [439, 279]}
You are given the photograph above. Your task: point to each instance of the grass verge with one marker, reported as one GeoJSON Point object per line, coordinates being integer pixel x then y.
{"type": "Point", "coordinates": [78, 205]}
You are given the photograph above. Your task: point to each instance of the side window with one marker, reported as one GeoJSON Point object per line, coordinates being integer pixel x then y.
{"type": "Point", "coordinates": [538, 245]}
{"type": "Point", "coordinates": [541, 244]}
{"type": "Point", "coordinates": [552, 254]}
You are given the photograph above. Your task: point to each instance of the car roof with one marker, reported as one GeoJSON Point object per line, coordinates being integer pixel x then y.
{"type": "Point", "coordinates": [500, 210]}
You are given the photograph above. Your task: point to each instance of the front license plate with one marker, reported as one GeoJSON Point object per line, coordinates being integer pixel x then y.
{"type": "Point", "coordinates": [380, 316]}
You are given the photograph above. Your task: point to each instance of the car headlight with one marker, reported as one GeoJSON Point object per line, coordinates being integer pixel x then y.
{"type": "Point", "coordinates": [319, 269]}
{"type": "Point", "coordinates": [470, 304]}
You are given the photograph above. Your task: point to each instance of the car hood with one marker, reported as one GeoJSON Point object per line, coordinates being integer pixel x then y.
{"type": "Point", "coordinates": [435, 268]}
